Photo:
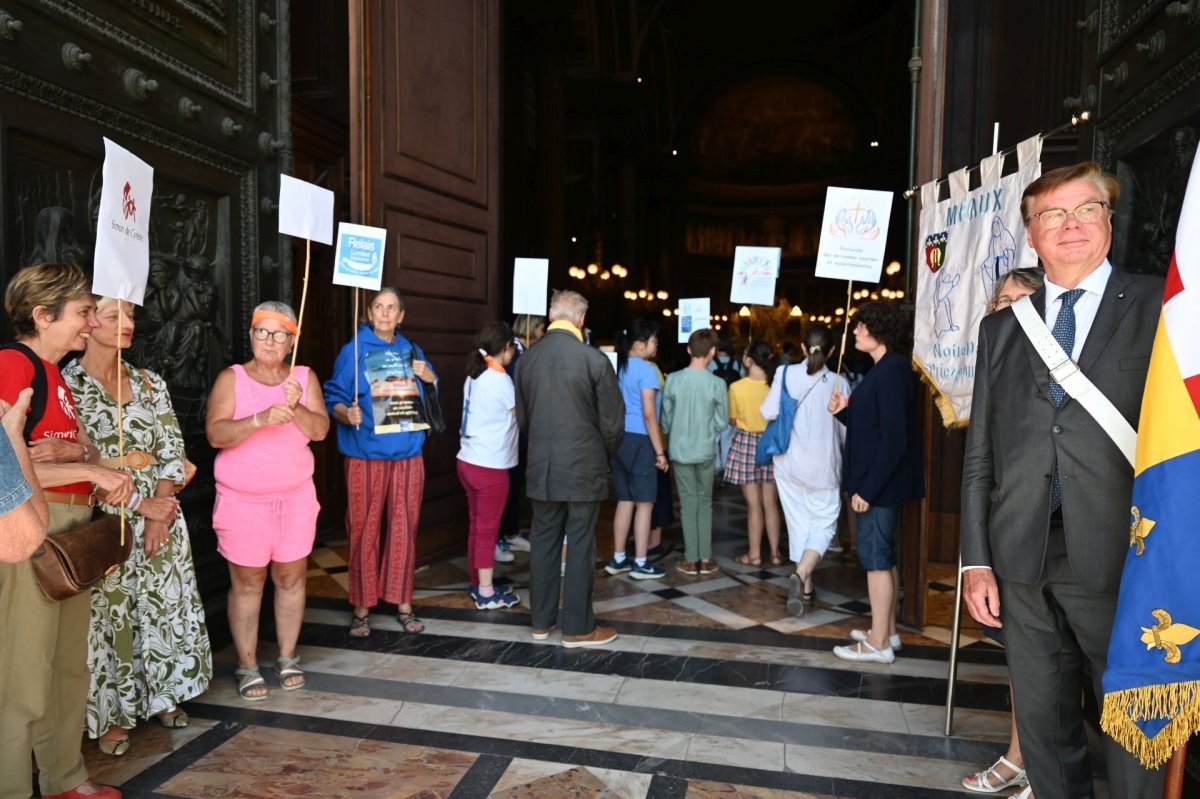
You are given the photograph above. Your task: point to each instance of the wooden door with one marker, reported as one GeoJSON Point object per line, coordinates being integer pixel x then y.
{"type": "Point", "coordinates": [425, 122]}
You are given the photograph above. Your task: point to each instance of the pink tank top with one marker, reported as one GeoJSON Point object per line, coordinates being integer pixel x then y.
{"type": "Point", "coordinates": [274, 459]}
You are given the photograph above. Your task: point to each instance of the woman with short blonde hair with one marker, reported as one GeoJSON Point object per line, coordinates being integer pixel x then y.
{"type": "Point", "coordinates": [43, 670]}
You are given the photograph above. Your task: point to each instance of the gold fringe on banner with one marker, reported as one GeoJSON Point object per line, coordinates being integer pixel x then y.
{"type": "Point", "coordinates": [1179, 701]}
{"type": "Point", "coordinates": [944, 405]}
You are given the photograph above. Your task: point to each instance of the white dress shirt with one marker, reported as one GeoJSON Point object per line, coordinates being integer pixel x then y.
{"type": "Point", "coordinates": [1085, 307]}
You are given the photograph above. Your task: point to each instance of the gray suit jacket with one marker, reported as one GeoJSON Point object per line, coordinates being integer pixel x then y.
{"type": "Point", "coordinates": [570, 407]}
{"type": "Point", "coordinates": [1017, 435]}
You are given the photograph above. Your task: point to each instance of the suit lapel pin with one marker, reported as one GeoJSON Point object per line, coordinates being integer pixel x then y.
{"type": "Point", "coordinates": [1121, 296]}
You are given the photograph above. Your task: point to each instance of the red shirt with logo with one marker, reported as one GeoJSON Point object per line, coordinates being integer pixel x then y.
{"type": "Point", "coordinates": [59, 419]}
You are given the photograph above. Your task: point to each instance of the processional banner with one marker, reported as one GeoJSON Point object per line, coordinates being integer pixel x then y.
{"type": "Point", "coordinates": [969, 242]}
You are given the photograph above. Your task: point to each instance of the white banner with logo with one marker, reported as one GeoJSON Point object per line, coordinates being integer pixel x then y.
{"type": "Point", "coordinates": [122, 260]}
{"type": "Point", "coordinates": [358, 260]}
{"type": "Point", "coordinates": [969, 242]}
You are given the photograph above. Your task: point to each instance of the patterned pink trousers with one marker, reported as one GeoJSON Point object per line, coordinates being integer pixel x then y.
{"type": "Point", "coordinates": [381, 565]}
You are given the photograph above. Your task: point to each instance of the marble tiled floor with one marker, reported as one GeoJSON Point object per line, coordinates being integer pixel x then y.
{"type": "Point", "coordinates": [711, 690]}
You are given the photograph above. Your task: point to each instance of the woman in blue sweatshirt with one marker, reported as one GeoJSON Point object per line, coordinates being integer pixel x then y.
{"type": "Point", "coordinates": [382, 450]}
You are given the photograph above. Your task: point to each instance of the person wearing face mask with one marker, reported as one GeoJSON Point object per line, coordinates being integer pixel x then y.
{"type": "Point", "coordinates": [43, 643]}
{"type": "Point", "coordinates": [382, 468]}
{"type": "Point", "coordinates": [263, 416]}
{"type": "Point", "coordinates": [148, 647]}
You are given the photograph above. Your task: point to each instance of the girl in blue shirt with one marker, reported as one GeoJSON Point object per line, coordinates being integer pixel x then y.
{"type": "Point", "coordinates": [641, 451]}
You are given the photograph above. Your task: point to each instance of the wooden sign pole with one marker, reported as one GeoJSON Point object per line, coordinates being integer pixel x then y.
{"type": "Point", "coordinates": [120, 419]}
{"type": "Point", "coordinates": [303, 298]}
{"type": "Point", "coordinates": [846, 329]}
{"type": "Point", "coordinates": [356, 369]}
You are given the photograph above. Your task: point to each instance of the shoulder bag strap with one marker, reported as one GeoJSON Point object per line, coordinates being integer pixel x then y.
{"type": "Point", "coordinates": [41, 388]}
{"type": "Point", "coordinates": [806, 393]}
{"type": "Point", "coordinates": [1067, 374]}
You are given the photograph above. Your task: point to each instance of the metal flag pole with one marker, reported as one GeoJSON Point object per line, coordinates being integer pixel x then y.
{"type": "Point", "coordinates": [952, 675]}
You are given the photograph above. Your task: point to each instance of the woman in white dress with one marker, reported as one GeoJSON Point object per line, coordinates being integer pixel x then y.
{"type": "Point", "coordinates": [808, 474]}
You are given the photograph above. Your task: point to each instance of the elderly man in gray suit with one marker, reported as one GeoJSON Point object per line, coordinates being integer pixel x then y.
{"type": "Point", "coordinates": [570, 407]}
{"type": "Point", "coordinates": [1046, 493]}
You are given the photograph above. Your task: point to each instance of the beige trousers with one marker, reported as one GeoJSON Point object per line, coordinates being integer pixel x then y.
{"type": "Point", "coordinates": [43, 677]}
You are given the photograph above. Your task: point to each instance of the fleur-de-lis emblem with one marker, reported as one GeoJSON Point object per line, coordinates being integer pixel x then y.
{"type": "Point", "coordinates": [1139, 528]}
{"type": "Point", "coordinates": [1167, 635]}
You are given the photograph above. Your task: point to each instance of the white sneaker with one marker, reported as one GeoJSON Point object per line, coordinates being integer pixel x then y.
{"type": "Point", "coordinates": [863, 652]}
{"type": "Point", "coordinates": [503, 555]}
{"type": "Point", "coordinates": [518, 543]}
{"type": "Point", "coordinates": [863, 636]}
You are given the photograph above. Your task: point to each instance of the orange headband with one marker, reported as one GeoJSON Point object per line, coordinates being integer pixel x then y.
{"type": "Point", "coordinates": [288, 324]}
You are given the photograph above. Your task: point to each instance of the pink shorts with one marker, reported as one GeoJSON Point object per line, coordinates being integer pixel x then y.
{"type": "Point", "coordinates": [257, 529]}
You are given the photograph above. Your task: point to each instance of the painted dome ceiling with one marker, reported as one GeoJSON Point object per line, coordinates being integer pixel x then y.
{"type": "Point", "coordinates": [778, 129]}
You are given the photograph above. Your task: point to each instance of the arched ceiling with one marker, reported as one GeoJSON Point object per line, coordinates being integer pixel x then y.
{"type": "Point", "coordinates": [695, 125]}
{"type": "Point", "coordinates": [773, 129]}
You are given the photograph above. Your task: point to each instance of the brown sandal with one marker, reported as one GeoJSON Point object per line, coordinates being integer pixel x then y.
{"type": "Point", "coordinates": [114, 747]}
{"type": "Point", "coordinates": [746, 560]}
{"type": "Point", "coordinates": [360, 626]}
{"type": "Point", "coordinates": [410, 623]}
{"type": "Point", "coordinates": [173, 719]}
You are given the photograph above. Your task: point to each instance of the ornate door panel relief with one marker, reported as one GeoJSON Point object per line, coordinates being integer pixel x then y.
{"type": "Point", "coordinates": [1147, 90]}
{"type": "Point", "coordinates": [199, 90]}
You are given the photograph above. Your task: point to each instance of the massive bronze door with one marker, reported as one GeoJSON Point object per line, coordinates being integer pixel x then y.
{"type": "Point", "coordinates": [198, 89]}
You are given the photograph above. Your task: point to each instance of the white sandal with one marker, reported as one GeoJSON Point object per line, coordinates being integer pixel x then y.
{"type": "Point", "coordinates": [981, 781]}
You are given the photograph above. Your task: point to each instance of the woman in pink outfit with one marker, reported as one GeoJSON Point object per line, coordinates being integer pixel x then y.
{"type": "Point", "coordinates": [262, 419]}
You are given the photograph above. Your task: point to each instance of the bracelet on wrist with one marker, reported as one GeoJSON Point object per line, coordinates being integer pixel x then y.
{"type": "Point", "coordinates": [255, 418]}
{"type": "Point", "coordinates": [87, 455]}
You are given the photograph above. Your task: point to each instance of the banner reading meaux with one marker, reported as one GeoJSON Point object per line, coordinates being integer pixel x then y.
{"type": "Point", "coordinates": [970, 241]}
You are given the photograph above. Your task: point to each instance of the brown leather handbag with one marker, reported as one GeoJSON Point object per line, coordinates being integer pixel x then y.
{"type": "Point", "coordinates": [74, 560]}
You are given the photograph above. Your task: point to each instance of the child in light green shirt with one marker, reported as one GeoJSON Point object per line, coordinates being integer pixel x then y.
{"type": "Point", "coordinates": [695, 408]}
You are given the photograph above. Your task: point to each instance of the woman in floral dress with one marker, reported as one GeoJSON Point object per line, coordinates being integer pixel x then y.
{"type": "Point", "coordinates": [148, 648]}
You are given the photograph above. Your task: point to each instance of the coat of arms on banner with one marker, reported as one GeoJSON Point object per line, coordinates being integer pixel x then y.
{"type": "Point", "coordinates": [971, 241]}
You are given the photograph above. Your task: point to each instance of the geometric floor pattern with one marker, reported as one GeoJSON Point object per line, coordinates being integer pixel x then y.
{"type": "Point", "coordinates": [711, 690]}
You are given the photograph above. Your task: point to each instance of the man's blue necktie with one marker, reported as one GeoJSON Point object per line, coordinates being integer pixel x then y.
{"type": "Point", "coordinates": [1064, 333]}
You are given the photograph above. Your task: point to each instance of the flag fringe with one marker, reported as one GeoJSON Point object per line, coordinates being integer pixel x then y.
{"type": "Point", "coordinates": [1178, 701]}
{"type": "Point", "coordinates": [940, 400]}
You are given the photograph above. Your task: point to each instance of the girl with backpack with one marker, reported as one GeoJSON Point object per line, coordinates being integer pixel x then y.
{"type": "Point", "coordinates": [808, 475]}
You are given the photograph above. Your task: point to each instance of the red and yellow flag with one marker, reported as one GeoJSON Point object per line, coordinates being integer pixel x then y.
{"type": "Point", "coordinates": [1152, 683]}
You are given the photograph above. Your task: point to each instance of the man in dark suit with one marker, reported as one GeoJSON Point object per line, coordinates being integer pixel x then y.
{"type": "Point", "coordinates": [570, 407]}
{"type": "Point", "coordinates": [1046, 493]}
